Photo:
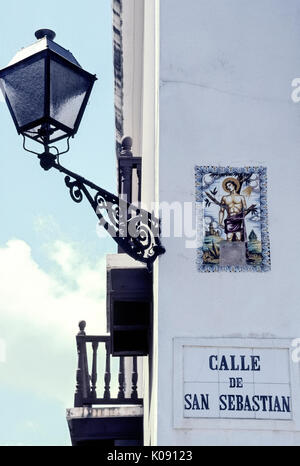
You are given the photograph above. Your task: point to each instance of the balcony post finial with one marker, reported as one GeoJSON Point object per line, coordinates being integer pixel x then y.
{"type": "Point", "coordinates": [81, 325]}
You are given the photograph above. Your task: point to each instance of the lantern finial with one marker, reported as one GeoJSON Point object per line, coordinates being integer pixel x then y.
{"type": "Point", "coordinates": [40, 33]}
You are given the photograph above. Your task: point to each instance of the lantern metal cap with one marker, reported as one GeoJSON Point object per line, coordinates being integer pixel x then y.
{"type": "Point", "coordinates": [45, 41]}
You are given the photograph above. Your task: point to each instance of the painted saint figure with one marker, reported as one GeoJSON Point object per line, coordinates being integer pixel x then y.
{"type": "Point", "coordinates": [232, 200]}
{"type": "Point", "coordinates": [235, 206]}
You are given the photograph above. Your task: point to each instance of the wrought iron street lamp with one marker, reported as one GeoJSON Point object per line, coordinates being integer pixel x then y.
{"type": "Point", "coordinates": [47, 91]}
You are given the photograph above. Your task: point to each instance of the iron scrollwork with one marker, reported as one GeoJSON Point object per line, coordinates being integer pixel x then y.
{"type": "Point", "coordinates": [134, 229]}
{"type": "Point", "coordinates": [75, 189]}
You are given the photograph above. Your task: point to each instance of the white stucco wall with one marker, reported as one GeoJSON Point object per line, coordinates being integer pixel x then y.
{"type": "Point", "coordinates": [226, 68]}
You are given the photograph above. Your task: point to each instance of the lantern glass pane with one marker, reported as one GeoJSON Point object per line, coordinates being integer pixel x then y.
{"type": "Point", "coordinates": [67, 92]}
{"type": "Point", "coordinates": [24, 87]}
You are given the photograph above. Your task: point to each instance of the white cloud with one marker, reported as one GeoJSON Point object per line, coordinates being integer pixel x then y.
{"type": "Point", "coordinates": [2, 350]}
{"type": "Point", "coordinates": [28, 292]}
{"type": "Point", "coordinates": [40, 312]}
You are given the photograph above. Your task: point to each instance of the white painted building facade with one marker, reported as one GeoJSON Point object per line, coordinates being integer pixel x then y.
{"type": "Point", "coordinates": [209, 83]}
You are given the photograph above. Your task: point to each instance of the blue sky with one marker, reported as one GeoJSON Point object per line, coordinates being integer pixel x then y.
{"type": "Point", "coordinates": [52, 262]}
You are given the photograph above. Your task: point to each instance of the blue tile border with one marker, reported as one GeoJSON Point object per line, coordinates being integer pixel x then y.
{"type": "Point", "coordinates": [200, 171]}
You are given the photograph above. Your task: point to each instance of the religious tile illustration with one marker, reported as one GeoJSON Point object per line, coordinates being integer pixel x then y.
{"type": "Point", "coordinates": [232, 219]}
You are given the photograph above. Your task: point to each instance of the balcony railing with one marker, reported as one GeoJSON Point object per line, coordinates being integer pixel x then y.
{"type": "Point", "coordinates": [86, 382]}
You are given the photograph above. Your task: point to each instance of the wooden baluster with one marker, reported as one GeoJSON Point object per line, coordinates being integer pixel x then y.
{"type": "Point", "coordinates": [139, 177]}
{"type": "Point", "coordinates": [86, 389]}
{"type": "Point", "coordinates": [134, 394]}
{"type": "Point", "coordinates": [107, 375]}
{"type": "Point", "coordinates": [78, 399]}
{"type": "Point", "coordinates": [125, 169]}
{"type": "Point", "coordinates": [94, 370]}
{"type": "Point", "coordinates": [121, 394]}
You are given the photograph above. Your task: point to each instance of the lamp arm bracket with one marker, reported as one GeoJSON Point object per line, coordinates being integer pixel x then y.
{"type": "Point", "coordinates": [134, 229]}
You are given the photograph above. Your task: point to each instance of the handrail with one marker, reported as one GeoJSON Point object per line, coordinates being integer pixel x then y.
{"type": "Point", "coordinates": [86, 383]}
